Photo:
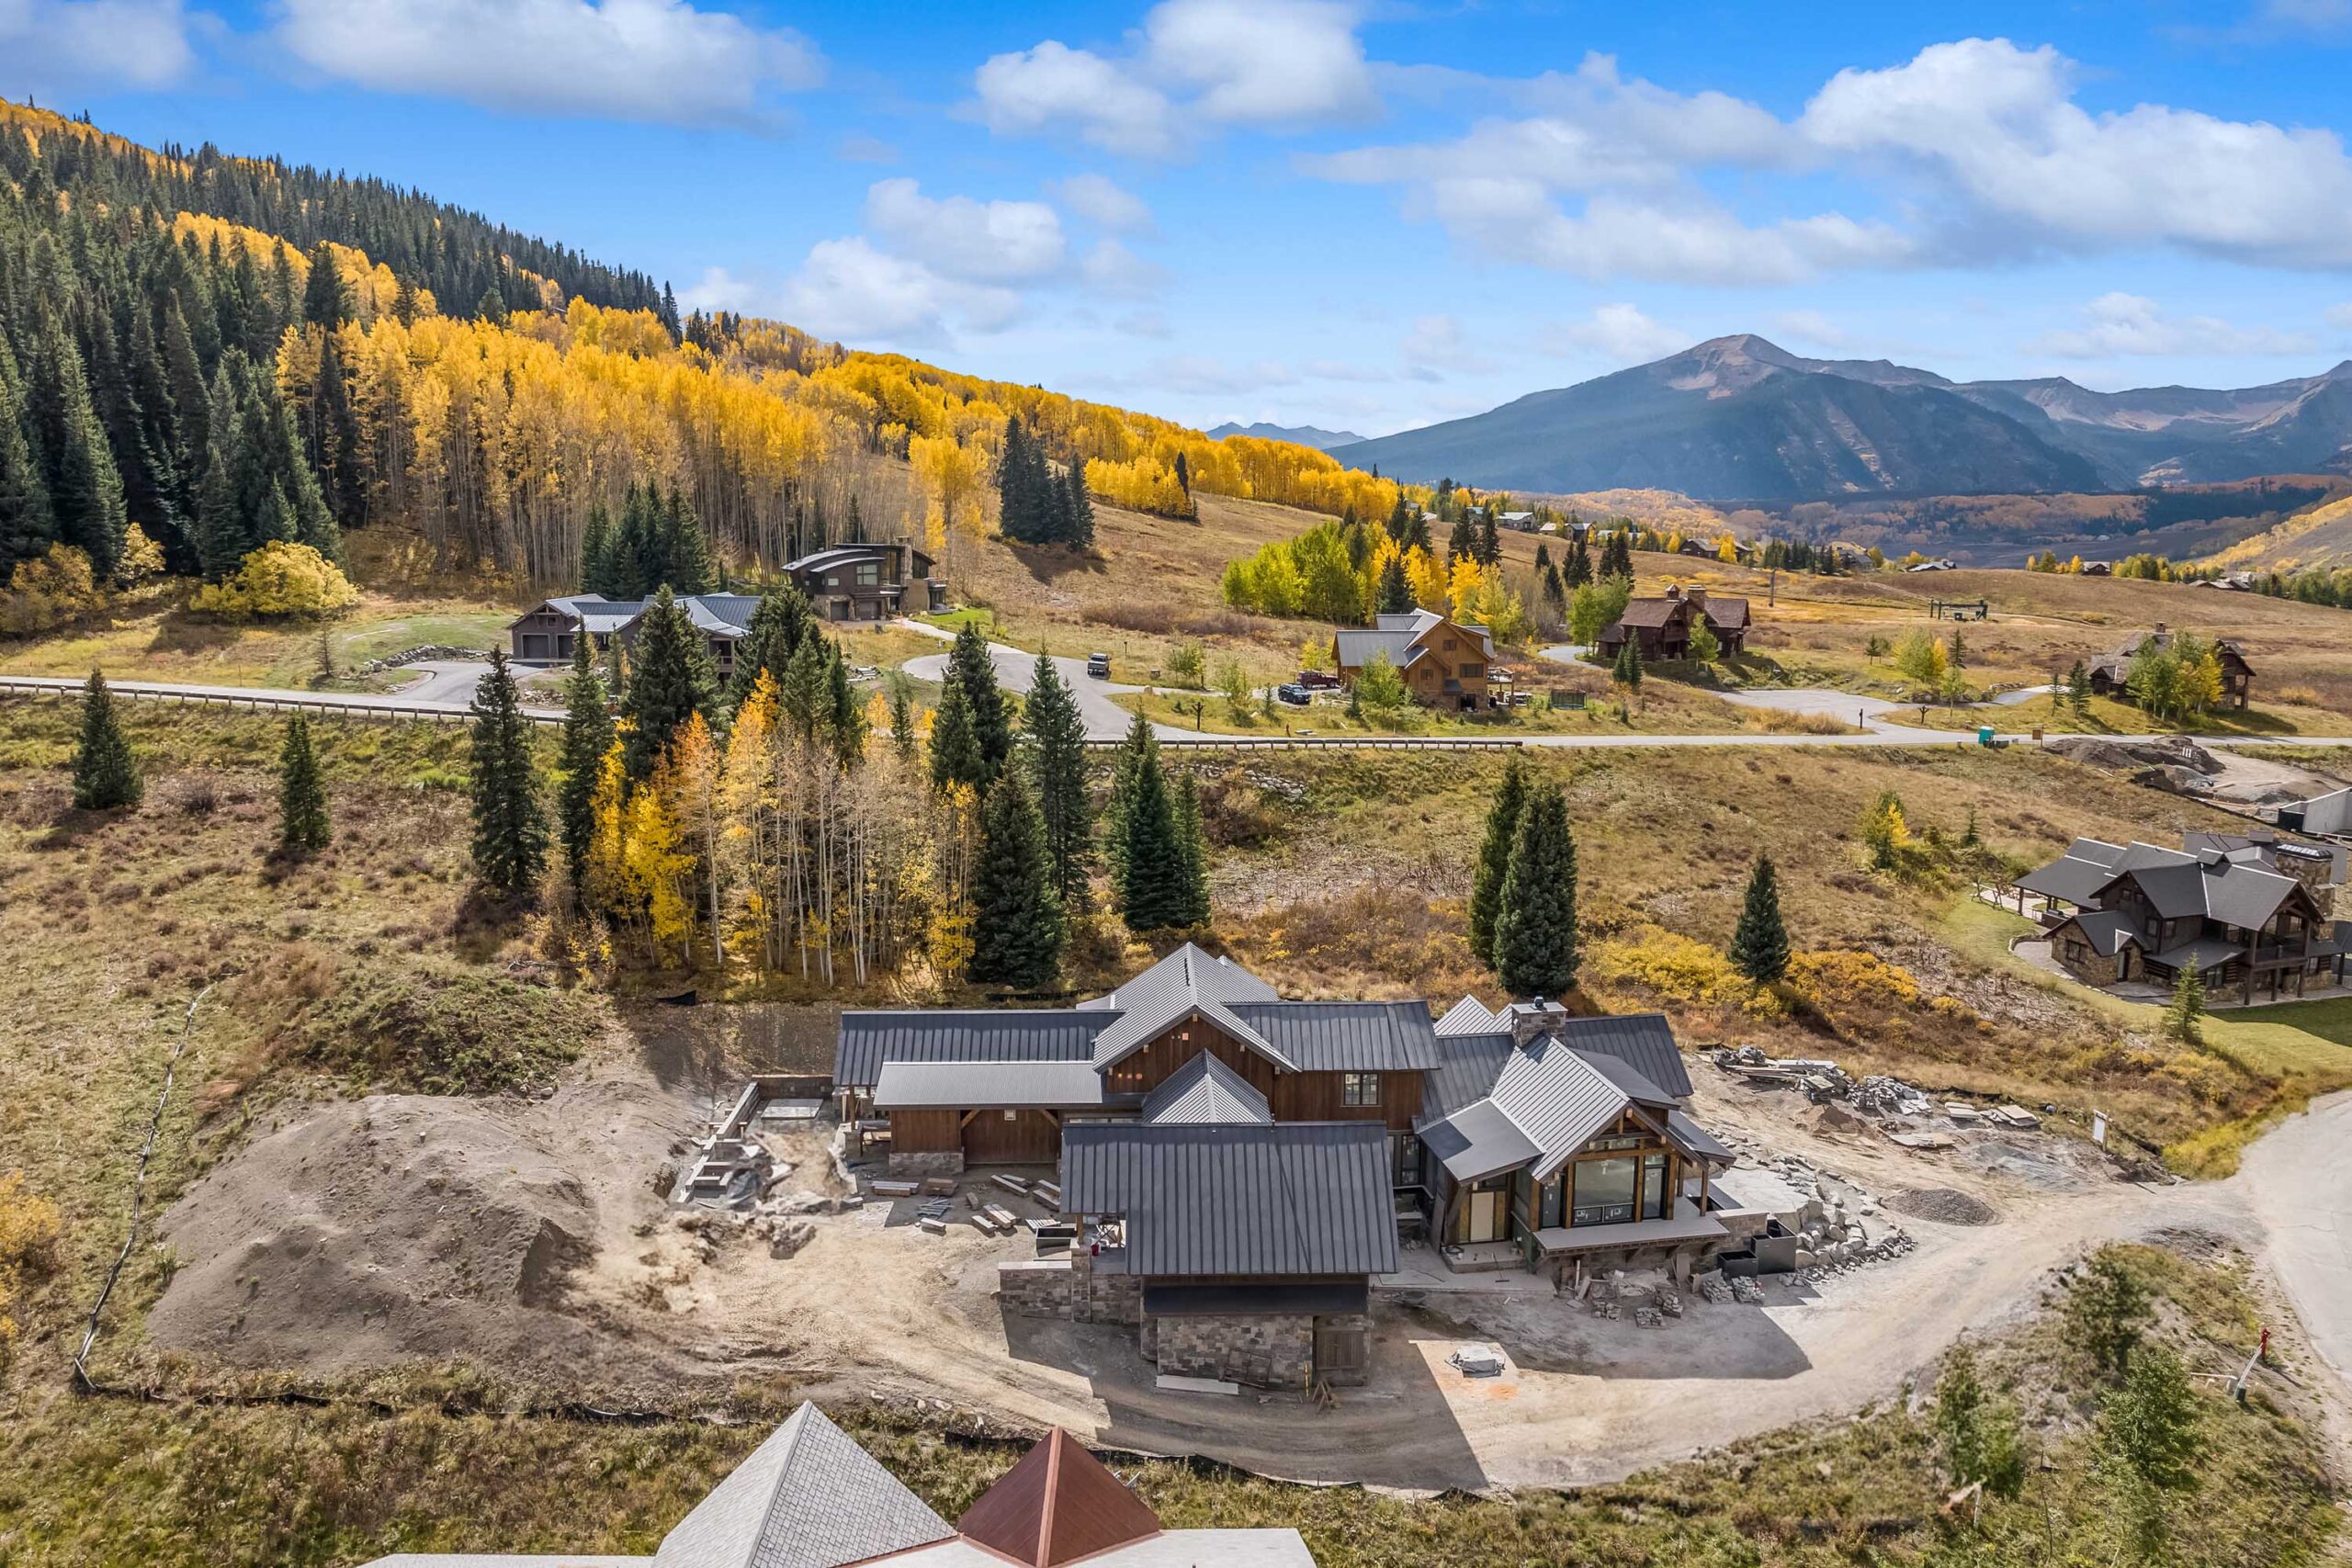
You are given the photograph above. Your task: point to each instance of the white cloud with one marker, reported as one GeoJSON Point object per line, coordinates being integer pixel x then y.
{"type": "Point", "coordinates": [1200, 374]}
{"type": "Point", "coordinates": [848, 289]}
{"type": "Point", "coordinates": [1998, 125]}
{"type": "Point", "coordinates": [50, 45]}
{"type": "Point", "coordinates": [2340, 316]}
{"type": "Point", "coordinates": [1198, 65]}
{"type": "Point", "coordinates": [1614, 237]}
{"type": "Point", "coordinates": [1620, 333]}
{"type": "Point", "coordinates": [2124, 325]}
{"type": "Point", "coordinates": [1102, 200]}
{"type": "Point", "coordinates": [857, 147]}
{"type": "Point", "coordinates": [1032, 90]}
{"type": "Point", "coordinates": [981, 241]}
{"type": "Point", "coordinates": [659, 61]}
{"type": "Point", "coordinates": [1112, 268]}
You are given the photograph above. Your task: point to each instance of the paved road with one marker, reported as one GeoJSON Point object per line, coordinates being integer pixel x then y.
{"type": "Point", "coordinates": [2298, 1180]}
{"type": "Point", "coordinates": [1016, 671]}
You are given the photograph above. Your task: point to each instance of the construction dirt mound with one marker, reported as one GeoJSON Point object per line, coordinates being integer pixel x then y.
{"type": "Point", "coordinates": [2154, 751]}
{"type": "Point", "coordinates": [363, 1233]}
{"type": "Point", "coordinates": [1944, 1206]}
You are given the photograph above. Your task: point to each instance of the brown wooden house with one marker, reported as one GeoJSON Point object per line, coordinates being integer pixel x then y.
{"type": "Point", "coordinates": [1445, 663]}
{"type": "Point", "coordinates": [867, 582]}
{"type": "Point", "coordinates": [1662, 625]}
{"type": "Point", "coordinates": [2110, 673]}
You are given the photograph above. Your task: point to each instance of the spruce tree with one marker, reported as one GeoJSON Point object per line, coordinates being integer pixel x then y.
{"type": "Point", "coordinates": [972, 667]}
{"type": "Point", "coordinates": [1490, 543]}
{"type": "Point", "coordinates": [1396, 588]}
{"type": "Point", "coordinates": [687, 566]}
{"type": "Point", "coordinates": [302, 792]}
{"type": "Point", "coordinates": [340, 458]}
{"type": "Point", "coordinates": [77, 467]}
{"type": "Point", "coordinates": [1462, 543]}
{"type": "Point", "coordinates": [1016, 503]}
{"type": "Point", "coordinates": [1017, 923]}
{"type": "Point", "coordinates": [1081, 506]}
{"type": "Point", "coordinates": [106, 775]}
{"type": "Point", "coordinates": [902, 718]}
{"type": "Point", "coordinates": [1192, 851]}
{"type": "Point", "coordinates": [670, 680]}
{"type": "Point", "coordinates": [776, 630]}
{"type": "Point", "coordinates": [955, 754]}
{"type": "Point", "coordinates": [26, 526]}
{"type": "Point", "coordinates": [587, 738]}
{"type": "Point", "coordinates": [1494, 858]}
{"type": "Point", "coordinates": [1058, 747]}
{"type": "Point", "coordinates": [326, 302]}
{"type": "Point", "coordinates": [1535, 925]}
{"type": "Point", "coordinates": [1627, 671]}
{"type": "Point", "coordinates": [2187, 1007]}
{"type": "Point", "coordinates": [1155, 891]}
{"type": "Point", "coordinates": [845, 715]}
{"type": "Point", "coordinates": [595, 552]}
{"type": "Point", "coordinates": [1759, 946]}
{"type": "Point", "coordinates": [1579, 568]}
{"type": "Point", "coordinates": [510, 845]}
{"type": "Point", "coordinates": [1138, 752]}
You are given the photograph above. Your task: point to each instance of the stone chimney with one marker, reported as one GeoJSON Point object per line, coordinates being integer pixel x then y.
{"type": "Point", "coordinates": [1697, 596]}
{"type": "Point", "coordinates": [1531, 1022]}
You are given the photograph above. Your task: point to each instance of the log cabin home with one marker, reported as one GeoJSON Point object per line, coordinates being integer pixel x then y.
{"type": "Point", "coordinates": [1662, 625]}
{"type": "Point", "coordinates": [1445, 663]}
{"type": "Point", "coordinates": [2245, 911]}
{"type": "Point", "coordinates": [2110, 673]}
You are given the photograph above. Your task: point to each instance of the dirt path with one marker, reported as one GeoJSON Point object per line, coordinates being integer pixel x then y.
{"type": "Point", "coordinates": [2297, 1181]}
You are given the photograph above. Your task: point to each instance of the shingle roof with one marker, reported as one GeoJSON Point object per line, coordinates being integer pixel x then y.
{"type": "Point", "coordinates": [2077, 875]}
{"type": "Point", "coordinates": [2104, 930]}
{"type": "Point", "coordinates": [1295, 1197]}
{"type": "Point", "coordinates": [912, 1086]}
{"type": "Point", "coordinates": [808, 1497]}
{"type": "Point", "coordinates": [2245, 896]}
{"type": "Point", "coordinates": [1330, 1037]}
{"type": "Point", "coordinates": [867, 1040]}
{"type": "Point", "coordinates": [1649, 612]}
{"type": "Point", "coordinates": [1204, 1091]}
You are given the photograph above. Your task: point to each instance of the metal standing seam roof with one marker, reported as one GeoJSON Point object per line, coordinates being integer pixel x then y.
{"type": "Point", "coordinates": [1294, 1198]}
{"type": "Point", "coordinates": [1204, 1091]}
{"type": "Point", "coordinates": [1363, 1037]}
{"type": "Point", "coordinates": [935, 1086]}
{"type": "Point", "coordinates": [1643, 1040]}
{"type": "Point", "coordinates": [865, 550]}
{"type": "Point", "coordinates": [1557, 1099]}
{"type": "Point", "coordinates": [1187, 981]}
{"type": "Point", "coordinates": [868, 1040]}
{"type": "Point", "coordinates": [1468, 1015]}
{"type": "Point", "coordinates": [1629, 1079]}
{"type": "Point", "coordinates": [808, 1497]}
{"type": "Point", "coordinates": [1695, 1139]}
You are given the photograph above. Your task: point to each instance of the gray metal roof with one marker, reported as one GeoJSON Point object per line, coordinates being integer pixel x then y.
{"type": "Point", "coordinates": [2245, 895]}
{"type": "Point", "coordinates": [1468, 1015]}
{"type": "Point", "coordinates": [808, 1497]}
{"type": "Point", "coordinates": [1204, 1091]}
{"type": "Point", "coordinates": [1187, 981]}
{"type": "Point", "coordinates": [1331, 1037]}
{"type": "Point", "coordinates": [2074, 878]}
{"type": "Point", "coordinates": [1643, 1040]}
{"type": "Point", "coordinates": [868, 1040]}
{"type": "Point", "coordinates": [2203, 954]}
{"type": "Point", "coordinates": [1558, 1098]}
{"type": "Point", "coordinates": [2105, 931]}
{"type": "Point", "coordinates": [1356, 648]}
{"type": "Point", "coordinates": [1294, 1198]}
{"type": "Point", "coordinates": [868, 551]}
{"type": "Point", "coordinates": [1466, 1068]}
{"type": "Point", "coordinates": [1628, 1079]}
{"type": "Point", "coordinates": [1694, 1139]}
{"type": "Point", "coordinates": [932, 1086]}
{"type": "Point", "coordinates": [1478, 1139]}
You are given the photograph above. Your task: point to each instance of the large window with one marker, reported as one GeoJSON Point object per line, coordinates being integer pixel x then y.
{"type": "Point", "coordinates": [1604, 1191]}
{"type": "Point", "coordinates": [869, 573]}
{"type": "Point", "coordinates": [1653, 1196]}
{"type": "Point", "coordinates": [1358, 1088]}
{"type": "Point", "coordinates": [1408, 1152]}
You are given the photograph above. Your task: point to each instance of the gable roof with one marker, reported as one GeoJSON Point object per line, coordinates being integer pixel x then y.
{"type": "Point", "coordinates": [2105, 931]}
{"type": "Point", "coordinates": [1548, 1101]}
{"type": "Point", "coordinates": [1204, 1091]}
{"type": "Point", "coordinates": [2076, 877]}
{"type": "Point", "coordinates": [1052, 1086]}
{"type": "Point", "coordinates": [1470, 1061]}
{"type": "Point", "coordinates": [1057, 1506]}
{"type": "Point", "coordinates": [868, 1040]}
{"type": "Point", "coordinates": [1330, 1037]}
{"type": "Point", "coordinates": [1651, 613]}
{"type": "Point", "coordinates": [1399, 634]}
{"type": "Point", "coordinates": [1185, 982]}
{"type": "Point", "coordinates": [1293, 1198]}
{"type": "Point", "coordinates": [1468, 1015]}
{"type": "Point", "coordinates": [2223, 877]}
{"type": "Point", "coordinates": [807, 1498]}
{"type": "Point", "coordinates": [1644, 1041]}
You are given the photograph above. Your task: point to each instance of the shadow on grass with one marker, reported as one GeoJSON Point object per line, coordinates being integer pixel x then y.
{"type": "Point", "coordinates": [1049, 563]}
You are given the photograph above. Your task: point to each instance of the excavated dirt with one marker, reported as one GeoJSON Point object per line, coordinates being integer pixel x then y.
{"type": "Point", "coordinates": [1944, 1206]}
{"type": "Point", "coordinates": [361, 1234]}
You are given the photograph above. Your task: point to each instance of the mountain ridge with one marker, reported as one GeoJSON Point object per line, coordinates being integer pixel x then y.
{"type": "Point", "coordinates": [1738, 418]}
{"type": "Point", "coordinates": [1303, 435]}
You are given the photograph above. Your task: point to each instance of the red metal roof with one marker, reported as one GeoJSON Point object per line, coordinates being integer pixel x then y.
{"type": "Point", "coordinates": [1059, 1504]}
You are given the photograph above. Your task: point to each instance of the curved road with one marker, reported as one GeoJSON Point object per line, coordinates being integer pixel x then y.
{"type": "Point", "coordinates": [1016, 672]}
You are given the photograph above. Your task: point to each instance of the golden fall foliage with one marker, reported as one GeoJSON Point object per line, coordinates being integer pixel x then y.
{"type": "Point", "coordinates": [279, 579]}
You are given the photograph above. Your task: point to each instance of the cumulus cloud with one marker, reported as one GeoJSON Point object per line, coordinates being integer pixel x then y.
{"type": "Point", "coordinates": [1111, 268]}
{"type": "Point", "coordinates": [1197, 65]}
{"type": "Point", "coordinates": [1102, 200]}
{"type": "Point", "coordinates": [1620, 333]}
{"type": "Point", "coordinates": [847, 288]}
{"type": "Point", "coordinates": [659, 61]}
{"type": "Point", "coordinates": [2117, 325]}
{"type": "Point", "coordinates": [51, 45]}
{"type": "Point", "coordinates": [981, 241]}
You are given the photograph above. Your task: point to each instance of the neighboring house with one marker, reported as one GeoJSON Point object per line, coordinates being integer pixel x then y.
{"type": "Point", "coordinates": [546, 633]}
{"type": "Point", "coordinates": [811, 1497]}
{"type": "Point", "coordinates": [1518, 522]}
{"type": "Point", "coordinates": [2110, 673]}
{"type": "Point", "coordinates": [2329, 813]}
{"type": "Point", "coordinates": [1662, 625]}
{"type": "Point", "coordinates": [1238, 1165]}
{"type": "Point", "coordinates": [1445, 663]}
{"type": "Point", "coordinates": [867, 582]}
{"type": "Point", "coordinates": [2232, 907]}
{"type": "Point", "coordinates": [1933, 566]}
{"type": "Point", "coordinates": [2229, 583]}
{"type": "Point", "coordinates": [2097, 568]}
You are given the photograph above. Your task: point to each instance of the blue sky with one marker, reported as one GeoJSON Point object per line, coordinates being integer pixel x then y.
{"type": "Point", "coordinates": [1358, 215]}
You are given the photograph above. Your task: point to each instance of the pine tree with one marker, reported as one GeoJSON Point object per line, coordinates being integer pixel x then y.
{"type": "Point", "coordinates": [1494, 858]}
{"type": "Point", "coordinates": [1759, 946]}
{"type": "Point", "coordinates": [326, 302]}
{"type": "Point", "coordinates": [1082, 507]}
{"type": "Point", "coordinates": [595, 552]}
{"type": "Point", "coordinates": [26, 527]}
{"type": "Point", "coordinates": [77, 467]}
{"type": "Point", "coordinates": [845, 715]}
{"type": "Point", "coordinates": [1017, 503]}
{"type": "Point", "coordinates": [955, 754]}
{"type": "Point", "coordinates": [1579, 568]}
{"type": "Point", "coordinates": [1138, 752]}
{"type": "Point", "coordinates": [302, 792]}
{"type": "Point", "coordinates": [1535, 924]}
{"type": "Point", "coordinates": [902, 718]}
{"type": "Point", "coordinates": [587, 737]}
{"type": "Point", "coordinates": [2187, 1007]}
{"type": "Point", "coordinates": [776, 630]}
{"type": "Point", "coordinates": [687, 567]}
{"type": "Point", "coordinates": [340, 461]}
{"type": "Point", "coordinates": [1396, 588]}
{"type": "Point", "coordinates": [1462, 543]}
{"type": "Point", "coordinates": [1017, 922]}
{"type": "Point", "coordinates": [106, 775]}
{"type": "Point", "coordinates": [1490, 543]}
{"type": "Point", "coordinates": [1058, 747]}
{"type": "Point", "coordinates": [1156, 890]}
{"type": "Point", "coordinates": [1183, 475]}
{"type": "Point", "coordinates": [972, 667]}
{"type": "Point", "coordinates": [670, 679]}
{"type": "Point", "coordinates": [510, 845]}
{"type": "Point", "coordinates": [1627, 671]}
{"type": "Point", "coordinates": [1400, 522]}
{"type": "Point", "coordinates": [1193, 851]}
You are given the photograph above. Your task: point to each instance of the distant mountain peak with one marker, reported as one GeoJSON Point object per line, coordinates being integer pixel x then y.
{"type": "Point", "coordinates": [1302, 434]}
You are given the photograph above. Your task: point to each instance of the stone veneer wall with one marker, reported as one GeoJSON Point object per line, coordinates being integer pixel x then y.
{"type": "Point", "coordinates": [1066, 1288]}
{"type": "Point", "coordinates": [1265, 1352]}
{"type": "Point", "coordinates": [925, 1162]}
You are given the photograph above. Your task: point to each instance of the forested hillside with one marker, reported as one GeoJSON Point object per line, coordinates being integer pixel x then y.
{"type": "Point", "coordinates": [221, 353]}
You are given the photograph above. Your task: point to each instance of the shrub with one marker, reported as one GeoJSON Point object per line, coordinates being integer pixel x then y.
{"type": "Point", "coordinates": [1379, 687]}
{"type": "Point", "coordinates": [1854, 977]}
{"type": "Point", "coordinates": [443, 1030]}
{"type": "Point", "coordinates": [1185, 663]}
{"type": "Point", "coordinates": [278, 580]}
{"type": "Point", "coordinates": [1670, 967]}
{"type": "Point", "coordinates": [49, 591]}
{"type": "Point", "coordinates": [29, 1229]}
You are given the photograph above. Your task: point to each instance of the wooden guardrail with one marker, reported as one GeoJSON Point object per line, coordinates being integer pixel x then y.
{"type": "Point", "coordinates": [326, 703]}
{"type": "Point", "coordinates": [1322, 742]}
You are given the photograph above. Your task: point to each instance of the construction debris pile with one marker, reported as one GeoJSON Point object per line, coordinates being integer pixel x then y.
{"type": "Point", "coordinates": [987, 1213]}
{"type": "Point", "coordinates": [1880, 1097]}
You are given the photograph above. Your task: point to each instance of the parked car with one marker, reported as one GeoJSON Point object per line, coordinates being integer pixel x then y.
{"type": "Point", "coordinates": [1293, 694]}
{"type": "Point", "coordinates": [1319, 680]}
{"type": "Point", "coordinates": [1099, 666]}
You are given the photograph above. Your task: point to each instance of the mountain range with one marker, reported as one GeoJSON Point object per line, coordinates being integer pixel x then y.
{"type": "Point", "coordinates": [1303, 435]}
{"type": "Point", "coordinates": [1741, 418]}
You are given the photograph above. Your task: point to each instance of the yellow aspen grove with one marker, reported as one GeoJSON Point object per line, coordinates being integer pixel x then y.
{"type": "Point", "coordinates": [659, 873]}
{"type": "Point", "coordinates": [950, 476]}
{"type": "Point", "coordinates": [1462, 589]}
{"type": "Point", "coordinates": [1426, 577]}
{"type": "Point", "coordinates": [692, 782]}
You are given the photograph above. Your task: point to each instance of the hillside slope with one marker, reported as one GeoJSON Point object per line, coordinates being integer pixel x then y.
{"type": "Point", "coordinates": [1740, 419]}
{"type": "Point", "coordinates": [2321, 537]}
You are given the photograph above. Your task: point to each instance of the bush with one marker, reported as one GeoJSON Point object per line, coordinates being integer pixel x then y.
{"type": "Point", "coordinates": [49, 591]}
{"type": "Point", "coordinates": [29, 1229]}
{"type": "Point", "coordinates": [278, 580]}
{"type": "Point", "coordinates": [1379, 687]}
{"type": "Point", "coordinates": [1185, 662]}
{"type": "Point", "coordinates": [1670, 967]}
{"type": "Point", "coordinates": [1864, 978]}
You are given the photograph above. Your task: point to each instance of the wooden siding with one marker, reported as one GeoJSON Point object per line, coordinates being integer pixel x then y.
{"type": "Point", "coordinates": [1020, 1137]}
{"type": "Point", "coordinates": [1292, 1097]}
{"type": "Point", "coordinates": [924, 1132]}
